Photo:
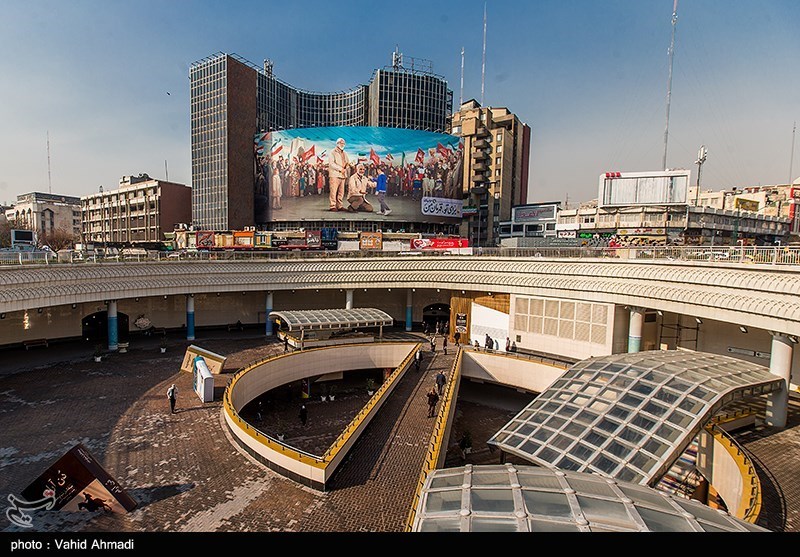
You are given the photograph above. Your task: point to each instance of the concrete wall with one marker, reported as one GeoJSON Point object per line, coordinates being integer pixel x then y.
{"type": "Point", "coordinates": [509, 370]}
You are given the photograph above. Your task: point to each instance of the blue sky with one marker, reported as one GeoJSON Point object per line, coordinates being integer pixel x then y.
{"type": "Point", "coordinates": [588, 76]}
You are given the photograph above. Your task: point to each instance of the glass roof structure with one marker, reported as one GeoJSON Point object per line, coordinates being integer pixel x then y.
{"type": "Point", "coordinates": [320, 319]}
{"type": "Point", "coordinates": [629, 416]}
{"type": "Point", "coordinates": [513, 498]}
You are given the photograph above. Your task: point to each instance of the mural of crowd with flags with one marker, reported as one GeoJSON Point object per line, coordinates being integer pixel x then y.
{"type": "Point", "coordinates": [413, 175]}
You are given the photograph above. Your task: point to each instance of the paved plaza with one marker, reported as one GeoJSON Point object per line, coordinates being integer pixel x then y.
{"type": "Point", "coordinates": [187, 476]}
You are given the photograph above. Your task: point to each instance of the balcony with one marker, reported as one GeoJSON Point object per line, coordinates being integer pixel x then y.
{"type": "Point", "coordinates": [480, 144]}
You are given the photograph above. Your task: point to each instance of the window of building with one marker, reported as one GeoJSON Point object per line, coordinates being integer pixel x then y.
{"type": "Point", "coordinates": [498, 149]}
{"type": "Point", "coordinates": [499, 137]}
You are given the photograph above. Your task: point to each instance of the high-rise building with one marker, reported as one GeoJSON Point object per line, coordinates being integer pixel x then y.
{"type": "Point", "coordinates": [140, 212]}
{"type": "Point", "coordinates": [496, 154]}
{"type": "Point", "coordinates": [233, 99]}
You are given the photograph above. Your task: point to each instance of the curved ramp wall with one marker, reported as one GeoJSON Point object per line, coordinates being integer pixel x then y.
{"type": "Point", "coordinates": [261, 377]}
{"type": "Point", "coordinates": [510, 371]}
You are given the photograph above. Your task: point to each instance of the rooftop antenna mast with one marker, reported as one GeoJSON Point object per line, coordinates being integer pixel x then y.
{"type": "Point", "coordinates": [791, 156]}
{"type": "Point", "coordinates": [669, 82]}
{"type": "Point", "coordinates": [483, 64]}
{"type": "Point", "coordinates": [461, 95]}
{"type": "Point", "coordinates": [49, 182]}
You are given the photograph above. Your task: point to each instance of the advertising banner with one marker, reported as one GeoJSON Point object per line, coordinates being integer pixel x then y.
{"type": "Point", "coordinates": [308, 174]}
{"type": "Point", "coordinates": [214, 362]}
{"type": "Point", "coordinates": [313, 239]}
{"type": "Point", "coordinates": [461, 322]}
{"type": "Point", "coordinates": [370, 240]}
{"type": "Point", "coordinates": [746, 204]}
{"type": "Point", "coordinates": [75, 482]}
{"type": "Point", "coordinates": [439, 243]}
{"type": "Point", "coordinates": [204, 239]}
{"type": "Point", "coordinates": [534, 213]}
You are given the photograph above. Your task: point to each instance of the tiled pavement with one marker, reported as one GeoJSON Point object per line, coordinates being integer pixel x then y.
{"type": "Point", "coordinates": [188, 476]}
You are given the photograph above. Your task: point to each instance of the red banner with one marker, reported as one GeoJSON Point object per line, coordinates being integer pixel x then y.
{"type": "Point", "coordinates": [420, 156]}
{"type": "Point", "coordinates": [308, 154]}
{"type": "Point", "coordinates": [373, 156]}
{"type": "Point", "coordinates": [439, 243]}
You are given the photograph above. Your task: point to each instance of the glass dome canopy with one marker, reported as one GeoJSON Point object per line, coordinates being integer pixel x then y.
{"type": "Point", "coordinates": [629, 416]}
{"type": "Point", "coordinates": [513, 498]}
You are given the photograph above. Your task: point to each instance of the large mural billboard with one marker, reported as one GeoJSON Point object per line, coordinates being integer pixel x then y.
{"type": "Point", "coordinates": [358, 173]}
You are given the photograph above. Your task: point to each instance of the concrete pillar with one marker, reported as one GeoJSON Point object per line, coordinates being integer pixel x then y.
{"type": "Point", "coordinates": [113, 327]}
{"type": "Point", "coordinates": [780, 364]}
{"type": "Point", "coordinates": [635, 326]}
{"type": "Point", "coordinates": [349, 303]}
{"type": "Point", "coordinates": [268, 308]}
{"type": "Point", "coordinates": [190, 317]}
{"type": "Point", "coordinates": [409, 309]}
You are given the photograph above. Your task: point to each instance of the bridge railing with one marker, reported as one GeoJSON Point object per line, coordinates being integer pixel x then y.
{"type": "Point", "coordinates": [766, 255]}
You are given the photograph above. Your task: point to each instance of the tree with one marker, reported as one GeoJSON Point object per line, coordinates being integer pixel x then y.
{"type": "Point", "coordinates": [58, 239]}
{"type": "Point", "coordinates": [5, 234]}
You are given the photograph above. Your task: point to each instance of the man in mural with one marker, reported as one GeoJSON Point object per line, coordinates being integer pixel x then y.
{"type": "Point", "coordinates": [357, 191]}
{"type": "Point", "coordinates": [337, 175]}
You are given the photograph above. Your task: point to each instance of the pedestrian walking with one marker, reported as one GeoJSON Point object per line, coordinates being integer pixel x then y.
{"type": "Point", "coordinates": [477, 346]}
{"type": "Point", "coordinates": [303, 414]}
{"type": "Point", "coordinates": [444, 345]}
{"type": "Point", "coordinates": [172, 395]}
{"type": "Point", "coordinates": [508, 344]}
{"type": "Point", "coordinates": [433, 398]}
{"type": "Point", "coordinates": [457, 337]}
{"type": "Point", "coordinates": [285, 344]}
{"type": "Point", "coordinates": [441, 381]}
{"type": "Point", "coordinates": [433, 343]}
{"type": "Point", "coordinates": [418, 359]}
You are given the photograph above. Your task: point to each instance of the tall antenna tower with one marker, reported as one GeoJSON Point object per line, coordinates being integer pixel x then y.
{"type": "Point", "coordinates": [791, 155]}
{"type": "Point", "coordinates": [461, 95]}
{"type": "Point", "coordinates": [483, 64]}
{"type": "Point", "coordinates": [669, 82]}
{"type": "Point", "coordinates": [49, 182]}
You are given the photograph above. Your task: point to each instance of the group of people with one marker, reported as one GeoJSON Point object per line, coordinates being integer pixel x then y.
{"type": "Point", "coordinates": [435, 393]}
{"type": "Point", "coordinates": [340, 177]}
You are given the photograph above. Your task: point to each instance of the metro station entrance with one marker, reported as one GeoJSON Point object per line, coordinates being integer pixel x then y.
{"type": "Point", "coordinates": [94, 327]}
{"type": "Point", "coordinates": [436, 313]}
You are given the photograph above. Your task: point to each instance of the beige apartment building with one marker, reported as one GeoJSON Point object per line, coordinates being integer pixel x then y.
{"type": "Point", "coordinates": [495, 172]}
{"type": "Point", "coordinates": [45, 213]}
{"type": "Point", "coordinates": [139, 212]}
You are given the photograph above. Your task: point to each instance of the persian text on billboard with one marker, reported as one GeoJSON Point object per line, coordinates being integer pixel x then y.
{"type": "Point", "coordinates": [439, 243]}
{"type": "Point", "coordinates": [535, 213]}
{"type": "Point", "coordinates": [371, 240]}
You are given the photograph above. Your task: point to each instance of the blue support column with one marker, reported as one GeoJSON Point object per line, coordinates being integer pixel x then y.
{"type": "Point", "coordinates": [113, 328]}
{"type": "Point", "coordinates": [268, 309]}
{"type": "Point", "coordinates": [409, 309]}
{"type": "Point", "coordinates": [190, 317]}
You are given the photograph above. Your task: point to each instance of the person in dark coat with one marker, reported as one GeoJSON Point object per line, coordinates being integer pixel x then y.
{"type": "Point", "coordinates": [303, 414]}
{"type": "Point", "coordinates": [433, 399]}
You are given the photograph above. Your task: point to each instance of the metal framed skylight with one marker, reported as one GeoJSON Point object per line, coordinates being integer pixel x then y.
{"type": "Point", "coordinates": [514, 498]}
{"type": "Point", "coordinates": [319, 319]}
{"type": "Point", "coordinates": [629, 416]}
